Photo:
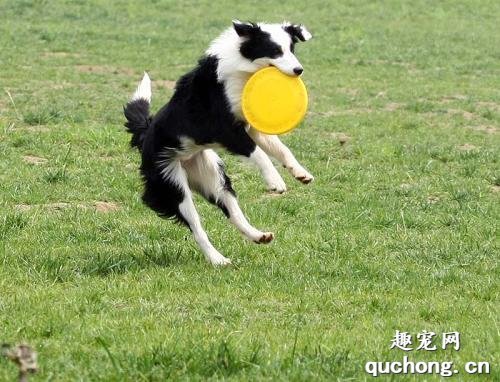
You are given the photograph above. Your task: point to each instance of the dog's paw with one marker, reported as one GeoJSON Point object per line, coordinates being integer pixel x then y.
{"type": "Point", "coordinates": [302, 175]}
{"type": "Point", "coordinates": [217, 260]}
{"type": "Point", "coordinates": [221, 262]}
{"type": "Point", "coordinates": [276, 185]}
{"type": "Point", "coordinates": [265, 238]}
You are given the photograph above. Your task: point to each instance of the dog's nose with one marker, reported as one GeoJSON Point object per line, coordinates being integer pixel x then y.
{"type": "Point", "coordinates": [298, 71]}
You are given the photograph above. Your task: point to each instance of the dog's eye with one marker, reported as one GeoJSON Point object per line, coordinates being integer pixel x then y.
{"type": "Point", "coordinates": [277, 51]}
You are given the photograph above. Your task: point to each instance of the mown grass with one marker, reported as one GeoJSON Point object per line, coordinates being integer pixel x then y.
{"type": "Point", "coordinates": [398, 232]}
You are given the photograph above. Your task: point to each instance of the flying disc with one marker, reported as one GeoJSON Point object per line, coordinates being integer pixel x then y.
{"type": "Point", "coordinates": [273, 102]}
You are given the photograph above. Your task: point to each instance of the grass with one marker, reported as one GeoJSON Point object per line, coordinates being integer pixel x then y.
{"type": "Point", "coordinates": [398, 232]}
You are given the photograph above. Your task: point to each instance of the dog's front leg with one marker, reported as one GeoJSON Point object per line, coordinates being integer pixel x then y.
{"type": "Point", "coordinates": [272, 145]}
{"type": "Point", "coordinates": [239, 142]}
{"type": "Point", "coordinates": [271, 176]}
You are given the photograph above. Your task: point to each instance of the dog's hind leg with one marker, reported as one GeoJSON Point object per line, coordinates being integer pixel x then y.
{"type": "Point", "coordinates": [206, 175]}
{"type": "Point", "coordinates": [273, 146]}
{"type": "Point", "coordinates": [169, 195]}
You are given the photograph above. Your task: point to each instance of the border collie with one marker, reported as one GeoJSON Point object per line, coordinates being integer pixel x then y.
{"type": "Point", "coordinates": [204, 113]}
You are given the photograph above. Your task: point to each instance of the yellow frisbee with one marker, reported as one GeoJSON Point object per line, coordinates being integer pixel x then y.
{"type": "Point", "coordinates": [273, 102]}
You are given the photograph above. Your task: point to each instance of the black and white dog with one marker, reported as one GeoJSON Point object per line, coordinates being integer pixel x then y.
{"type": "Point", "coordinates": [204, 113]}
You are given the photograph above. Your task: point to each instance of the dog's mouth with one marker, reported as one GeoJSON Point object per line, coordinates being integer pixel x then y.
{"type": "Point", "coordinates": [295, 74]}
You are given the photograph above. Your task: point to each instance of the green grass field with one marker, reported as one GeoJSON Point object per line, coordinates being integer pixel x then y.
{"type": "Point", "coordinates": [399, 231]}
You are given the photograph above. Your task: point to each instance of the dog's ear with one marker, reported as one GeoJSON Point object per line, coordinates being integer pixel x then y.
{"type": "Point", "coordinates": [298, 32]}
{"type": "Point", "coordinates": [244, 29]}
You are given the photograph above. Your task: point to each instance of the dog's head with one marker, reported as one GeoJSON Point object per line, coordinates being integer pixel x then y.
{"type": "Point", "coordinates": [271, 44]}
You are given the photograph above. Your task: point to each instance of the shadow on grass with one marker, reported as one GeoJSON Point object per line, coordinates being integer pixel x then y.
{"type": "Point", "coordinates": [222, 359]}
{"type": "Point", "coordinates": [103, 264]}
{"type": "Point", "coordinates": [73, 264]}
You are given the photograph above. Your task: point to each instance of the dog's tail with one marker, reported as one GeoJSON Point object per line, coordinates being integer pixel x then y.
{"type": "Point", "coordinates": [137, 112]}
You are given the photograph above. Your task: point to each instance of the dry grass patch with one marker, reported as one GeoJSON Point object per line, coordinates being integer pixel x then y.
{"type": "Point", "coordinates": [465, 114]}
{"type": "Point", "coordinates": [433, 199]}
{"type": "Point", "coordinates": [99, 206]}
{"type": "Point", "coordinates": [453, 98]}
{"type": "Point", "coordinates": [490, 105]}
{"type": "Point", "coordinates": [33, 129]}
{"type": "Point", "coordinates": [466, 147]}
{"type": "Point", "coordinates": [106, 206]}
{"type": "Point", "coordinates": [31, 159]}
{"type": "Point", "coordinates": [349, 91]}
{"type": "Point", "coordinates": [167, 84]}
{"type": "Point", "coordinates": [338, 113]}
{"type": "Point", "coordinates": [342, 138]}
{"type": "Point", "coordinates": [393, 106]}
{"type": "Point", "coordinates": [104, 69]}
{"type": "Point", "coordinates": [60, 54]}
{"type": "Point", "coordinates": [489, 129]}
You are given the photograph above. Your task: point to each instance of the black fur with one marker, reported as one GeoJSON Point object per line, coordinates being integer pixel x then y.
{"type": "Point", "coordinates": [161, 196]}
{"type": "Point", "coordinates": [258, 44]}
{"type": "Point", "coordinates": [138, 120]}
{"type": "Point", "coordinates": [295, 32]}
{"type": "Point", "coordinates": [245, 29]}
{"type": "Point", "coordinates": [228, 187]}
{"type": "Point", "coordinates": [198, 110]}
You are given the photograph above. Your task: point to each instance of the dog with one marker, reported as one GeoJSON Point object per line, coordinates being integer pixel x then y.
{"type": "Point", "coordinates": [204, 113]}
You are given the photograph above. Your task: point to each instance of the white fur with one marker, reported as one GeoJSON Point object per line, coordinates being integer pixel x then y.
{"type": "Point", "coordinates": [287, 62]}
{"type": "Point", "coordinates": [170, 167]}
{"type": "Point", "coordinates": [269, 173]}
{"type": "Point", "coordinates": [234, 70]}
{"type": "Point", "coordinates": [204, 175]}
{"type": "Point", "coordinates": [188, 149]}
{"type": "Point", "coordinates": [143, 90]}
{"type": "Point", "coordinates": [188, 211]}
{"type": "Point", "coordinates": [273, 146]}
{"type": "Point", "coordinates": [307, 35]}
{"type": "Point", "coordinates": [177, 174]}
{"type": "Point", "coordinates": [198, 167]}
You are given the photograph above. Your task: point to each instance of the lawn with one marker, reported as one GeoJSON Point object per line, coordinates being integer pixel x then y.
{"type": "Point", "coordinates": [399, 230]}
